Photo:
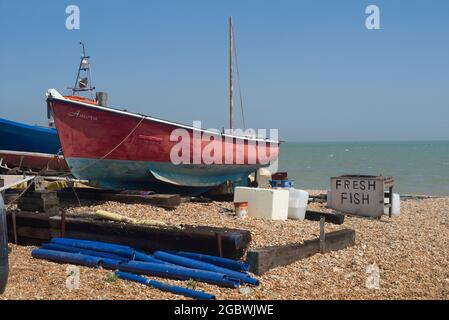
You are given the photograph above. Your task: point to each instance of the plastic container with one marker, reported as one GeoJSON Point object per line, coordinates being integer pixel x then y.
{"type": "Point", "coordinates": [297, 203]}
{"type": "Point", "coordinates": [396, 205]}
{"type": "Point", "coordinates": [282, 183]}
{"type": "Point", "coordinates": [3, 247]}
{"type": "Point", "coordinates": [241, 209]}
{"type": "Point", "coordinates": [264, 203]}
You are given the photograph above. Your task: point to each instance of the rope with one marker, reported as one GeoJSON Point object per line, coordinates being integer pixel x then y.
{"type": "Point", "coordinates": [99, 159]}
{"type": "Point", "coordinates": [238, 79]}
{"type": "Point", "coordinates": [115, 148]}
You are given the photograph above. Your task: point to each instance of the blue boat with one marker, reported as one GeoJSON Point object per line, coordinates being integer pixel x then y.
{"type": "Point", "coordinates": [17, 136]}
{"type": "Point", "coordinates": [30, 148]}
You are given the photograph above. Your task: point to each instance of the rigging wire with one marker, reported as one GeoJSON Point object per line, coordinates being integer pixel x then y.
{"type": "Point", "coordinates": [238, 79]}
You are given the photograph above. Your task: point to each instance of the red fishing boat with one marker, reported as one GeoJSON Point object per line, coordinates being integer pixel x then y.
{"type": "Point", "coordinates": [117, 149]}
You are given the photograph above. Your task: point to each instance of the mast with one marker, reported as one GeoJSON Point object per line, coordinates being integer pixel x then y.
{"type": "Point", "coordinates": [231, 81]}
{"type": "Point", "coordinates": [83, 78]}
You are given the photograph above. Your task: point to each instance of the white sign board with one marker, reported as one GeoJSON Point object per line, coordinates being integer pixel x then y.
{"type": "Point", "coordinates": [357, 195]}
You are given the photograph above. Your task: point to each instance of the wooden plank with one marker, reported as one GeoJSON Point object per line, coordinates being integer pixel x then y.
{"type": "Point", "coordinates": [30, 219]}
{"type": "Point", "coordinates": [167, 201]}
{"type": "Point", "coordinates": [30, 225]}
{"type": "Point", "coordinates": [263, 259]}
{"type": "Point", "coordinates": [34, 233]}
{"type": "Point", "coordinates": [43, 226]}
{"type": "Point", "coordinates": [336, 218]}
{"type": "Point", "coordinates": [321, 198]}
{"type": "Point", "coordinates": [197, 239]}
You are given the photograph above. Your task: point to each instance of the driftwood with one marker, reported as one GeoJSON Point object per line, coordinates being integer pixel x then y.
{"type": "Point", "coordinates": [146, 222]}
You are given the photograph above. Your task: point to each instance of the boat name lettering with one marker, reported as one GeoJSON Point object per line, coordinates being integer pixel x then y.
{"type": "Point", "coordinates": [78, 114]}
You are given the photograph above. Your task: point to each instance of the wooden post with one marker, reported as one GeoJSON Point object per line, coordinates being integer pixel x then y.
{"type": "Point", "coordinates": [322, 235]}
{"type": "Point", "coordinates": [14, 226]}
{"type": "Point", "coordinates": [257, 177]}
{"type": "Point", "coordinates": [63, 217]}
{"type": "Point", "coordinates": [390, 211]}
{"type": "Point", "coordinates": [231, 81]}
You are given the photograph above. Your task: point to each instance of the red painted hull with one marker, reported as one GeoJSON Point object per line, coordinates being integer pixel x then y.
{"type": "Point", "coordinates": [87, 131]}
{"type": "Point", "coordinates": [34, 161]}
{"type": "Point", "coordinates": [116, 149]}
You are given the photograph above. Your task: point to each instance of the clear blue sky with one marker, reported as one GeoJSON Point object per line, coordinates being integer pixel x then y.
{"type": "Point", "coordinates": [309, 68]}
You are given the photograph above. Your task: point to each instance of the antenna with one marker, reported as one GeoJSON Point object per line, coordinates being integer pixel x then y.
{"type": "Point", "coordinates": [83, 78]}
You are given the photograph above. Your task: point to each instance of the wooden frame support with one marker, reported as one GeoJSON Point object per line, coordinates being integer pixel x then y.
{"type": "Point", "coordinates": [263, 259]}
{"type": "Point", "coordinates": [167, 201]}
{"type": "Point", "coordinates": [36, 228]}
{"type": "Point", "coordinates": [335, 218]}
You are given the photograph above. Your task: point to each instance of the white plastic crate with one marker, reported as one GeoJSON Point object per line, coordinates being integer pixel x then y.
{"type": "Point", "coordinates": [264, 203]}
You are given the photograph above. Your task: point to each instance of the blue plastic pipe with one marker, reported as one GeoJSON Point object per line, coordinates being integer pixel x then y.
{"type": "Point", "coordinates": [139, 256]}
{"type": "Point", "coordinates": [175, 272]}
{"type": "Point", "coordinates": [165, 287]}
{"type": "Point", "coordinates": [67, 257]}
{"type": "Point", "coordinates": [156, 269]}
{"type": "Point", "coordinates": [99, 254]}
{"type": "Point", "coordinates": [3, 247]}
{"type": "Point", "coordinates": [221, 262]}
{"type": "Point", "coordinates": [120, 250]}
{"type": "Point", "coordinates": [195, 264]}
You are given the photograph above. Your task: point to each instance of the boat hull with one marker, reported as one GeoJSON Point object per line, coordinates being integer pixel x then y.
{"type": "Point", "coordinates": [34, 161]}
{"type": "Point", "coordinates": [30, 148]}
{"type": "Point", "coordinates": [156, 176]}
{"type": "Point", "coordinates": [119, 150]}
{"type": "Point", "coordinates": [21, 137]}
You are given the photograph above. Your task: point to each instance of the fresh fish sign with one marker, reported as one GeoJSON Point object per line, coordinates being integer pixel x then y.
{"type": "Point", "coordinates": [359, 195]}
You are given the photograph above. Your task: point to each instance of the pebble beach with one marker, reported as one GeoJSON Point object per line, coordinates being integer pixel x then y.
{"type": "Point", "coordinates": [408, 255]}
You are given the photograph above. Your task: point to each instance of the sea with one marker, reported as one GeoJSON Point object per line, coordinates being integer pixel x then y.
{"type": "Point", "coordinates": [418, 167]}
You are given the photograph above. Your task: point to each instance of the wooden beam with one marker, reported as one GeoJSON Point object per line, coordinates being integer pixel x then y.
{"type": "Point", "coordinates": [41, 201]}
{"type": "Point", "coordinates": [167, 201]}
{"type": "Point", "coordinates": [29, 225]}
{"type": "Point", "coordinates": [335, 218]}
{"type": "Point", "coordinates": [263, 259]}
{"type": "Point", "coordinates": [42, 227]}
{"type": "Point", "coordinates": [196, 239]}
